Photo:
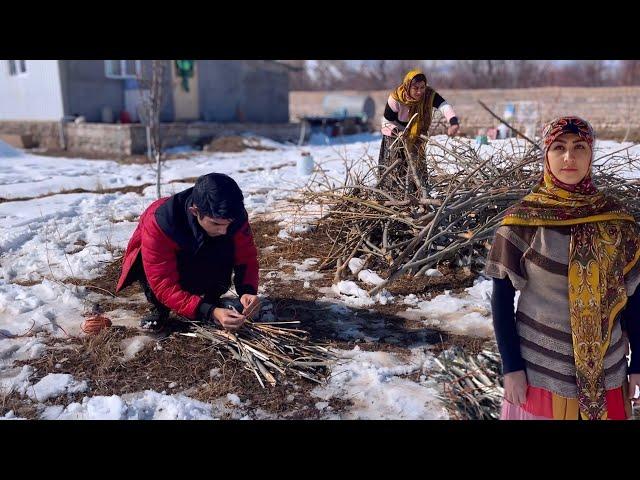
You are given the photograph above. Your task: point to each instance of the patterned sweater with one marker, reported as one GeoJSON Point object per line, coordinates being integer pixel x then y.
{"type": "Point", "coordinates": [535, 259]}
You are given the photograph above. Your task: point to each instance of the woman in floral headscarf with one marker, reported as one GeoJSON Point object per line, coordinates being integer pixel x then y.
{"type": "Point", "coordinates": [412, 97]}
{"type": "Point", "coordinates": [573, 254]}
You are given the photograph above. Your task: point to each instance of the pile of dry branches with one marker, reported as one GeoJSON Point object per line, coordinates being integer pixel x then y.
{"type": "Point", "coordinates": [408, 216]}
{"type": "Point", "coordinates": [269, 349]}
{"type": "Point", "coordinates": [471, 383]}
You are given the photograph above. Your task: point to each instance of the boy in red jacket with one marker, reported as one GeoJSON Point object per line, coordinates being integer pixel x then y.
{"type": "Point", "coordinates": [186, 248]}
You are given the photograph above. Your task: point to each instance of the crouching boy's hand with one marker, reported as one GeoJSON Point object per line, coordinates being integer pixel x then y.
{"type": "Point", "coordinates": [229, 319]}
{"type": "Point", "coordinates": [251, 304]}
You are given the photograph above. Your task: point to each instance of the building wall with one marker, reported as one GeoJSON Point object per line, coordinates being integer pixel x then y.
{"type": "Point", "coordinates": [266, 92]}
{"type": "Point", "coordinates": [243, 91]}
{"type": "Point", "coordinates": [228, 90]}
{"type": "Point", "coordinates": [87, 89]}
{"type": "Point", "coordinates": [35, 95]}
{"type": "Point", "coordinates": [218, 89]}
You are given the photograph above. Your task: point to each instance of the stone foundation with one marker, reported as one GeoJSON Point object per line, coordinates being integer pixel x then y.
{"type": "Point", "coordinates": [131, 139]}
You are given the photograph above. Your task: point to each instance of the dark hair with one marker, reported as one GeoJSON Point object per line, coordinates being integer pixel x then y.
{"type": "Point", "coordinates": [218, 195]}
{"type": "Point", "coordinates": [419, 78]}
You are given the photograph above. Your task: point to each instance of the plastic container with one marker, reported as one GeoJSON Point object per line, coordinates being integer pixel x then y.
{"type": "Point", "coordinates": [509, 111]}
{"type": "Point", "coordinates": [482, 140]}
{"type": "Point", "coordinates": [305, 164]}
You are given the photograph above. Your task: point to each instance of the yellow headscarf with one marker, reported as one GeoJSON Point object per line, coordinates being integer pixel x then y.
{"type": "Point", "coordinates": [420, 126]}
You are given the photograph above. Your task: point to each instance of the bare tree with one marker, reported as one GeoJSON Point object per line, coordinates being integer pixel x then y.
{"type": "Point", "coordinates": [397, 69]}
{"type": "Point", "coordinates": [330, 74]}
{"type": "Point", "coordinates": [565, 75]}
{"type": "Point", "coordinates": [594, 73]}
{"type": "Point", "coordinates": [382, 72]}
{"type": "Point", "coordinates": [151, 105]}
{"type": "Point", "coordinates": [528, 73]}
{"type": "Point", "coordinates": [468, 74]}
{"type": "Point", "coordinates": [479, 74]}
{"type": "Point", "coordinates": [300, 80]}
{"type": "Point", "coordinates": [368, 76]}
{"type": "Point", "coordinates": [629, 73]}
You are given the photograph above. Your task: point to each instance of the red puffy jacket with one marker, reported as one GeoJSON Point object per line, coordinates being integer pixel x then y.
{"type": "Point", "coordinates": [160, 247]}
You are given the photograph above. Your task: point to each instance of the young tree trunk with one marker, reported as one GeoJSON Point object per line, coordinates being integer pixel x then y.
{"type": "Point", "coordinates": [158, 174]}
{"type": "Point", "coordinates": [155, 101]}
{"type": "Point", "coordinates": [151, 83]}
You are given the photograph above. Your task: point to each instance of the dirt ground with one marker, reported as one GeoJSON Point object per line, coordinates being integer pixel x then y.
{"type": "Point", "coordinates": [185, 363]}
{"type": "Point", "coordinates": [232, 143]}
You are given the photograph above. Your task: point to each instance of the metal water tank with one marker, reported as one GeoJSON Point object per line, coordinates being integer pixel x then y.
{"type": "Point", "coordinates": [345, 105]}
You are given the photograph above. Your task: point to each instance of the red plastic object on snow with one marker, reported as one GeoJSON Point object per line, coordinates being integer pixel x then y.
{"type": "Point", "coordinates": [95, 324]}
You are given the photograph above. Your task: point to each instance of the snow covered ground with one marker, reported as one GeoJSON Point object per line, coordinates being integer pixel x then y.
{"type": "Point", "coordinates": [51, 236]}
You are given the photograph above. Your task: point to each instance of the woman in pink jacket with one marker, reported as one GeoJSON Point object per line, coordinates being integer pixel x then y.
{"type": "Point", "coordinates": [412, 97]}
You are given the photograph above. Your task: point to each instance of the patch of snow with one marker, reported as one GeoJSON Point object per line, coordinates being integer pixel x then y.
{"type": "Point", "coordinates": [15, 380]}
{"type": "Point", "coordinates": [147, 405]}
{"type": "Point", "coordinates": [374, 382]}
{"type": "Point", "coordinates": [133, 345]}
{"type": "Point", "coordinates": [466, 314]}
{"type": "Point", "coordinates": [356, 264]}
{"type": "Point", "coordinates": [355, 296]}
{"type": "Point", "coordinates": [54, 385]}
{"type": "Point", "coordinates": [370, 277]}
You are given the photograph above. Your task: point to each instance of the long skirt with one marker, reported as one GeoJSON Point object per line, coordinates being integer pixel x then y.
{"type": "Point", "coordinates": [542, 404]}
{"type": "Point", "coordinates": [401, 171]}
{"type": "Point", "coordinates": [384, 159]}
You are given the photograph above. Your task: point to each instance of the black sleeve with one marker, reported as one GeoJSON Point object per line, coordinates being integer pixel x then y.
{"type": "Point", "coordinates": [438, 100]}
{"type": "Point", "coordinates": [631, 319]}
{"type": "Point", "coordinates": [389, 114]}
{"type": "Point", "coordinates": [504, 324]}
{"type": "Point", "coordinates": [205, 310]}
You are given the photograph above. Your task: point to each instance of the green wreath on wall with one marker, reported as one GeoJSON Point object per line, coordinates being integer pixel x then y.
{"type": "Point", "coordinates": [184, 69]}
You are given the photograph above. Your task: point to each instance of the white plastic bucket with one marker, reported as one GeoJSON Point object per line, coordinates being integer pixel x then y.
{"type": "Point", "coordinates": [305, 165]}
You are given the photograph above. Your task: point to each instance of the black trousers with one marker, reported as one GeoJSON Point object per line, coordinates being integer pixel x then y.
{"type": "Point", "coordinates": [212, 296]}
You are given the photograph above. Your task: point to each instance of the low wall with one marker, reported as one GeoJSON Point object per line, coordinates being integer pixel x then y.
{"type": "Point", "coordinates": [609, 109]}
{"type": "Point", "coordinates": [131, 139]}
{"type": "Point", "coordinates": [44, 134]}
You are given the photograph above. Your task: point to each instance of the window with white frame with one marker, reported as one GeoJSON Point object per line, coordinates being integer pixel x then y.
{"type": "Point", "coordinates": [17, 67]}
{"type": "Point", "coordinates": [122, 68]}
